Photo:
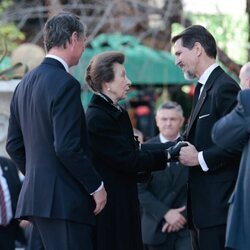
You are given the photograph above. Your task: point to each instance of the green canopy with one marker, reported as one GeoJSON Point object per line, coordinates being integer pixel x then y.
{"type": "Point", "coordinates": [143, 64]}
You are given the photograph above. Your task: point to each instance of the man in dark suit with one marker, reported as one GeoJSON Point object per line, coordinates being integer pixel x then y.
{"type": "Point", "coordinates": [61, 192]}
{"type": "Point", "coordinates": [10, 186]}
{"type": "Point", "coordinates": [232, 133]}
{"type": "Point", "coordinates": [212, 171]}
{"type": "Point", "coordinates": [163, 198]}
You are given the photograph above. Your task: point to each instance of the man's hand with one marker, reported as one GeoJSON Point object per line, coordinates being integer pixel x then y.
{"type": "Point", "coordinates": [173, 152]}
{"type": "Point", "coordinates": [189, 155]}
{"type": "Point", "coordinates": [100, 198]}
{"type": "Point", "coordinates": [174, 220]}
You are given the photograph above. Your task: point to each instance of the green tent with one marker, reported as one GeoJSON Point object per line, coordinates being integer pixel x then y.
{"type": "Point", "coordinates": [143, 64]}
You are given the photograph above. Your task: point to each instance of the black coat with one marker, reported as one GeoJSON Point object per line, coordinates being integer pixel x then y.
{"type": "Point", "coordinates": [232, 133]}
{"type": "Point", "coordinates": [167, 189]}
{"type": "Point", "coordinates": [117, 159]}
{"type": "Point", "coordinates": [209, 191]}
{"type": "Point", "coordinates": [47, 140]}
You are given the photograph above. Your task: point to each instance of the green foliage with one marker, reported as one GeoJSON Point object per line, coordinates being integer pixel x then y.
{"type": "Point", "coordinates": [10, 35]}
{"type": "Point", "coordinates": [230, 32]}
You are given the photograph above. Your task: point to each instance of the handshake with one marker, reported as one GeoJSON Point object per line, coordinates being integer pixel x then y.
{"type": "Point", "coordinates": [173, 152]}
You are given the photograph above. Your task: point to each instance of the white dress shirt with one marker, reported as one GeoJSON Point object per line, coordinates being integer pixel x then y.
{"type": "Point", "coordinates": [203, 79]}
{"type": "Point", "coordinates": [60, 60]}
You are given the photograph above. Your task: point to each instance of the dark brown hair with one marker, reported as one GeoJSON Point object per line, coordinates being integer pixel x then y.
{"type": "Point", "coordinates": [100, 69]}
{"type": "Point", "coordinates": [197, 33]}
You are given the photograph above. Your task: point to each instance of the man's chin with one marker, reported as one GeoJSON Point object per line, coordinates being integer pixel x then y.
{"type": "Point", "coordinates": [189, 76]}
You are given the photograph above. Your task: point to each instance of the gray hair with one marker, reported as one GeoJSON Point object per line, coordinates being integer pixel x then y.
{"type": "Point", "coordinates": [171, 105]}
{"type": "Point", "coordinates": [59, 28]}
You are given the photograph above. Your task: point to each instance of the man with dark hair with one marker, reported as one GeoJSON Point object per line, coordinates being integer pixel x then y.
{"type": "Point", "coordinates": [163, 198]}
{"type": "Point", "coordinates": [212, 171]}
{"type": "Point", "coordinates": [61, 192]}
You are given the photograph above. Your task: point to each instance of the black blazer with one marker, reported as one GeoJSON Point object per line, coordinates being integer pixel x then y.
{"type": "Point", "coordinates": [232, 133]}
{"type": "Point", "coordinates": [117, 159]}
{"type": "Point", "coordinates": [166, 190]}
{"type": "Point", "coordinates": [48, 142]}
{"type": "Point", "coordinates": [209, 191]}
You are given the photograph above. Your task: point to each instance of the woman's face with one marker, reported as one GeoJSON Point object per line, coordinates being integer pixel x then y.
{"type": "Point", "coordinates": [119, 87]}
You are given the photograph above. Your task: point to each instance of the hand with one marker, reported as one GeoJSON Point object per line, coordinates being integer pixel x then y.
{"type": "Point", "coordinates": [189, 156]}
{"type": "Point", "coordinates": [100, 198]}
{"type": "Point", "coordinates": [174, 220]}
{"type": "Point", "coordinates": [173, 152]}
{"type": "Point", "coordinates": [24, 223]}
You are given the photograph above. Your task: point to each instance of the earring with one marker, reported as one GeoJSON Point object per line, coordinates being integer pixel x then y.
{"type": "Point", "coordinates": [108, 89]}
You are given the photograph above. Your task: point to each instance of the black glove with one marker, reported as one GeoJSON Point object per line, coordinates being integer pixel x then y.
{"type": "Point", "coordinates": [174, 151]}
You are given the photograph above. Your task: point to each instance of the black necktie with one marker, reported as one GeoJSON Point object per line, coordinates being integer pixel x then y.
{"type": "Point", "coordinates": [197, 93]}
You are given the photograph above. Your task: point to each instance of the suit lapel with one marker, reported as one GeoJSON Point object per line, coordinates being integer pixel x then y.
{"type": "Point", "coordinates": [217, 71]}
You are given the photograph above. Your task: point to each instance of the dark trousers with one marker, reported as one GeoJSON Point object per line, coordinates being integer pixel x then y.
{"type": "Point", "coordinates": [212, 238]}
{"type": "Point", "coordinates": [9, 234]}
{"type": "Point", "coordinates": [51, 234]}
{"type": "Point", "coordinates": [7, 237]}
{"type": "Point", "coordinates": [175, 241]}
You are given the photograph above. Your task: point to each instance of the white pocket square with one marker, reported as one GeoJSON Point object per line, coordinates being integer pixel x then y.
{"type": "Point", "coordinates": [203, 116]}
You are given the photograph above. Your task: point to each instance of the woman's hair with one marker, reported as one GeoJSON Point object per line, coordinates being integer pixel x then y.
{"type": "Point", "coordinates": [100, 69]}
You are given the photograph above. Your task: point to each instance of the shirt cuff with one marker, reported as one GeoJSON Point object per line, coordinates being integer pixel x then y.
{"type": "Point", "coordinates": [98, 189]}
{"type": "Point", "coordinates": [202, 162]}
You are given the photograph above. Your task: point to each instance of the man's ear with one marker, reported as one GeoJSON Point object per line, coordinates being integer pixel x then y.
{"type": "Point", "coordinates": [73, 39]}
{"type": "Point", "coordinates": [248, 83]}
{"type": "Point", "coordinates": [198, 48]}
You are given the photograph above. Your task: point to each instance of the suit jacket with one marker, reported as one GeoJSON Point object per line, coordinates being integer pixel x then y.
{"type": "Point", "coordinates": [48, 142]}
{"type": "Point", "coordinates": [166, 190]}
{"type": "Point", "coordinates": [232, 133]}
{"type": "Point", "coordinates": [14, 185]}
{"type": "Point", "coordinates": [209, 191]}
{"type": "Point", "coordinates": [117, 159]}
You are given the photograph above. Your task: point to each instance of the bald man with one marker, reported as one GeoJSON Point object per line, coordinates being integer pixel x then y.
{"type": "Point", "coordinates": [245, 76]}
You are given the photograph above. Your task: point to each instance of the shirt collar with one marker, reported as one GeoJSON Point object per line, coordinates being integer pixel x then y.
{"type": "Point", "coordinates": [65, 65]}
{"type": "Point", "coordinates": [163, 139]}
{"type": "Point", "coordinates": [203, 78]}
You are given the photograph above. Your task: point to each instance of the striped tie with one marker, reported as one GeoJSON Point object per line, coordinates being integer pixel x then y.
{"type": "Point", "coordinates": [3, 207]}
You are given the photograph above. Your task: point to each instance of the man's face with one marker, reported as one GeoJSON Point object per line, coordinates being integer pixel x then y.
{"type": "Point", "coordinates": [186, 59]}
{"type": "Point", "coordinates": [169, 123]}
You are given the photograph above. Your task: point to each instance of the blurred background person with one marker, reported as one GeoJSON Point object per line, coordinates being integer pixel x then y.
{"type": "Point", "coordinates": [10, 186]}
{"type": "Point", "coordinates": [163, 198]}
{"type": "Point", "coordinates": [116, 155]}
{"type": "Point", "coordinates": [232, 133]}
{"type": "Point", "coordinates": [245, 76]}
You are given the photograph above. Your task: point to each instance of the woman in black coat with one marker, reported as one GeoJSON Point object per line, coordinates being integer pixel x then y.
{"type": "Point", "coordinates": [115, 154]}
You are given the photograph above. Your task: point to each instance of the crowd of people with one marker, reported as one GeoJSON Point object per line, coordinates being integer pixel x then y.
{"type": "Point", "coordinates": [89, 184]}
